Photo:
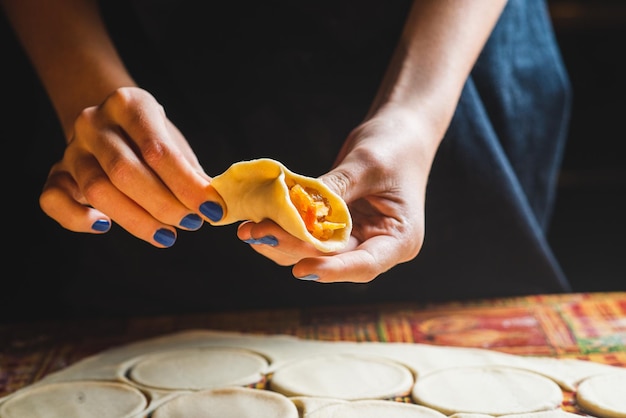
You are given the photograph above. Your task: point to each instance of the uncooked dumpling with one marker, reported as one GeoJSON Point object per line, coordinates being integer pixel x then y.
{"type": "Point", "coordinates": [260, 189]}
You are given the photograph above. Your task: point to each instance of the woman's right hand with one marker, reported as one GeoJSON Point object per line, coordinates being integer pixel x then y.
{"type": "Point", "coordinates": [127, 163]}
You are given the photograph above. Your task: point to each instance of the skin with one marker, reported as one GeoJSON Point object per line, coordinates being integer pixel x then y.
{"type": "Point", "coordinates": [125, 162]}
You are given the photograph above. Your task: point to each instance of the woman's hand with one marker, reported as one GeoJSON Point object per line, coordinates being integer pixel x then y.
{"type": "Point", "coordinates": [127, 163]}
{"type": "Point", "coordinates": [383, 167]}
{"type": "Point", "coordinates": [381, 174]}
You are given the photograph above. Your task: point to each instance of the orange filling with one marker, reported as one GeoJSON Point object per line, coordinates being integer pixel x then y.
{"type": "Point", "coordinates": [314, 208]}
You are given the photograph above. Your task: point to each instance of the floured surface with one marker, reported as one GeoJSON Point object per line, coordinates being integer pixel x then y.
{"type": "Point", "coordinates": [290, 360]}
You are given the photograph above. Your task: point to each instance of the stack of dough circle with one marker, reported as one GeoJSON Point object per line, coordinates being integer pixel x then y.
{"type": "Point", "coordinates": [603, 395]}
{"type": "Point", "coordinates": [199, 368]}
{"type": "Point", "coordinates": [486, 390]}
{"type": "Point", "coordinates": [348, 377]}
{"type": "Point", "coordinates": [79, 399]}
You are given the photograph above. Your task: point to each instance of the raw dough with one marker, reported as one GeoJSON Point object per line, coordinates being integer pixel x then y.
{"type": "Point", "coordinates": [603, 395]}
{"type": "Point", "coordinates": [374, 409]}
{"type": "Point", "coordinates": [88, 399]}
{"type": "Point", "coordinates": [348, 377]}
{"type": "Point", "coordinates": [330, 372]}
{"type": "Point", "coordinates": [486, 390]}
{"type": "Point", "coordinates": [199, 368]}
{"type": "Point", "coordinates": [228, 403]}
{"type": "Point", "coordinates": [259, 189]}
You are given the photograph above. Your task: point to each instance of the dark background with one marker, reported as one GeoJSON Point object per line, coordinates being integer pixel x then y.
{"type": "Point", "coordinates": [588, 231]}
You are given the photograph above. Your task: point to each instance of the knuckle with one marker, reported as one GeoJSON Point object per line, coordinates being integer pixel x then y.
{"type": "Point", "coordinates": [153, 152]}
{"type": "Point", "coordinates": [95, 189]}
{"type": "Point", "coordinates": [120, 170]}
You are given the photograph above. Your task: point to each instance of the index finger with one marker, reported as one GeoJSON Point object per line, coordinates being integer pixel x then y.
{"type": "Point", "coordinates": [164, 149]}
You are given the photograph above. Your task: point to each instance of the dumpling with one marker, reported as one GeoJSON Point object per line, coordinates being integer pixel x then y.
{"type": "Point", "coordinates": [303, 206]}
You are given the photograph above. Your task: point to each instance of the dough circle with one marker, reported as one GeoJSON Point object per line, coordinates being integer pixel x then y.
{"type": "Point", "coordinates": [339, 376]}
{"type": "Point", "coordinates": [76, 399]}
{"type": "Point", "coordinates": [234, 402]}
{"type": "Point", "coordinates": [603, 395]}
{"type": "Point", "coordinates": [486, 390]}
{"type": "Point", "coordinates": [375, 409]}
{"type": "Point", "coordinates": [199, 368]}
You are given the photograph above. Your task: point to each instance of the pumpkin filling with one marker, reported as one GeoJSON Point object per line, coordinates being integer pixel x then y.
{"type": "Point", "coordinates": [314, 209]}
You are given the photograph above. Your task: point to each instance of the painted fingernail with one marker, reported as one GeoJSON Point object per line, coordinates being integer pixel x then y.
{"type": "Point", "coordinates": [212, 210]}
{"type": "Point", "coordinates": [267, 240]}
{"type": "Point", "coordinates": [165, 237]}
{"type": "Point", "coordinates": [310, 277]}
{"type": "Point", "coordinates": [191, 221]}
{"type": "Point", "coordinates": [101, 225]}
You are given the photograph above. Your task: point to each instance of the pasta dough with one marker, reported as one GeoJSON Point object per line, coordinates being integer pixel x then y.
{"type": "Point", "coordinates": [343, 377]}
{"type": "Point", "coordinates": [603, 395]}
{"type": "Point", "coordinates": [259, 189]}
{"type": "Point", "coordinates": [86, 399]}
{"type": "Point", "coordinates": [487, 390]}
{"type": "Point", "coordinates": [199, 368]}
{"type": "Point", "coordinates": [304, 378]}
{"type": "Point", "coordinates": [374, 409]}
{"type": "Point", "coordinates": [232, 402]}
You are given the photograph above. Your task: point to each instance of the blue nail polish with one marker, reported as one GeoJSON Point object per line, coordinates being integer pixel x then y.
{"type": "Point", "coordinates": [267, 240]}
{"type": "Point", "coordinates": [101, 225]}
{"type": "Point", "coordinates": [310, 277]}
{"type": "Point", "coordinates": [191, 221]}
{"type": "Point", "coordinates": [165, 237]}
{"type": "Point", "coordinates": [212, 210]}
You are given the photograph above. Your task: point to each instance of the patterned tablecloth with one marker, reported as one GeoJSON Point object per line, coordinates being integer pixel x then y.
{"type": "Point", "coordinates": [589, 326]}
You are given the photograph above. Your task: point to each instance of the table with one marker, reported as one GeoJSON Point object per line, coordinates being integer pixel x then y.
{"type": "Point", "coordinates": [590, 326]}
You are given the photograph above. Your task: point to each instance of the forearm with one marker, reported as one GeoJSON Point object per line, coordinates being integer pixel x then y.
{"type": "Point", "coordinates": [438, 47]}
{"type": "Point", "coordinates": [71, 51]}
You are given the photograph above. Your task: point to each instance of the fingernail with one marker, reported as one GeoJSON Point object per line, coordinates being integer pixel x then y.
{"type": "Point", "coordinates": [212, 210]}
{"type": "Point", "coordinates": [101, 225]}
{"type": "Point", "coordinates": [191, 221]}
{"type": "Point", "coordinates": [267, 240]}
{"type": "Point", "coordinates": [311, 277]}
{"type": "Point", "coordinates": [165, 237]}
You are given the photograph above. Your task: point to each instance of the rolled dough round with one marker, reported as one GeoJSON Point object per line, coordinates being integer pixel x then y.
{"type": "Point", "coordinates": [486, 390]}
{"type": "Point", "coordinates": [603, 395]}
{"type": "Point", "coordinates": [235, 402]}
{"type": "Point", "coordinates": [375, 409]}
{"type": "Point", "coordinates": [78, 399]}
{"type": "Point", "coordinates": [348, 377]}
{"type": "Point", "coordinates": [199, 368]}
